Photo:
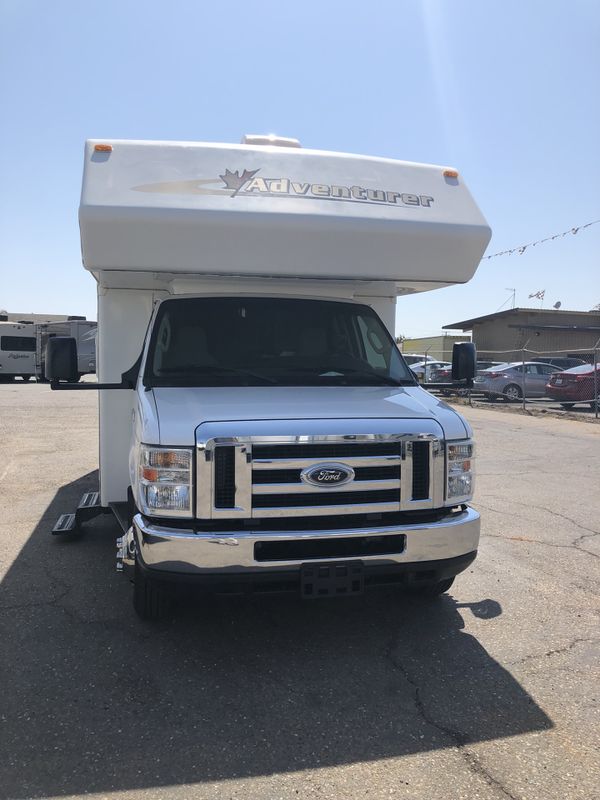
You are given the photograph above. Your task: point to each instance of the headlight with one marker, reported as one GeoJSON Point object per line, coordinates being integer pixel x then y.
{"type": "Point", "coordinates": [459, 469]}
{"type": "Point", "coordinates": [165, 481]}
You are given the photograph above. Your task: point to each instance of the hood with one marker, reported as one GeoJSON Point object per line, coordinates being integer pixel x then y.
{"type": "Point", "coordinates": [180, 410]}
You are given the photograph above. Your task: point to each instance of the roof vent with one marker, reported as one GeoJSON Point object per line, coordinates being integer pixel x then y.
{"type": "Point", "coordinates": [269, 139]}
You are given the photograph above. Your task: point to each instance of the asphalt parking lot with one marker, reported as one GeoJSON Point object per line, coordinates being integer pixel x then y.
{"type": "Point", "coordinates": [492, 691]}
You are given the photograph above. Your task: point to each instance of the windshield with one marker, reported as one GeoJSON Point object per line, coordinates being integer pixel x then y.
{"type": "Point", "coordinates": [251, 341]}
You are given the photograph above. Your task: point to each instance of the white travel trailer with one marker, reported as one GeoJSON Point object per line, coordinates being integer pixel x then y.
{"type": "Point", "coordinates": [17, 351]}
{"type": "Point", "coordinates": [258, 425]}
{"type": "Point", "coordinates": [82, 330]}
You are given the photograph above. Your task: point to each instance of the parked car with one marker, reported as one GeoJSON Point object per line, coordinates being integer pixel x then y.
{"type": "Point", "coordinates": [563, 363]}
{"type": "Point", "coordinates": [424, 369]}
{"type": "Point", "coordinates": [511, 380]}
{"type": "Point", "coordinates": [440, 373]}
{"type": "Point", "coordinates": [443, 374]}
{"type": "Point", "coordinates": [481, 365]}
{"type": "Point", "coordinates": [416, 358]}
{"type": "Point", "coordinates": [575, 385]}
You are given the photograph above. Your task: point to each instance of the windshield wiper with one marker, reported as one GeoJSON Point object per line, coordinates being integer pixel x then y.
{"type": "Point", "coordinates": [211, 369]}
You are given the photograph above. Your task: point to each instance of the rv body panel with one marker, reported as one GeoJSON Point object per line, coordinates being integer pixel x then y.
{"type": "Point", "coordinates": [17, 350]}
{"type": "Point", "coordinates": [244, 210]}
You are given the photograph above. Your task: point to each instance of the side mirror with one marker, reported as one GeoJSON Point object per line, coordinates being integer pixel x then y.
{"type": "Point", "coordinates": [61, 359]}
{"type": "Point", "coordinates": [464, 361]}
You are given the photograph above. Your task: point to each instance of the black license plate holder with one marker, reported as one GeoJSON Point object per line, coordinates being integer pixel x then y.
{"type": "Point", "coordinates": [331, 579]}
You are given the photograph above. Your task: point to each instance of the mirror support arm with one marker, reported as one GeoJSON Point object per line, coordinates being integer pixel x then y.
{"type": "Point", "coordinates": [58, 385]}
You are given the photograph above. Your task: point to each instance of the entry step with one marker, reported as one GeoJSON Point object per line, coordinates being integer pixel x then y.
{"type": "Point", "coordinates": [67, 523]}
{"type": "Point", "coordinates": [89, 500]}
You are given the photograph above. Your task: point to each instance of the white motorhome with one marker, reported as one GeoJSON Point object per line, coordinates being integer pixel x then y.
{"type": "Point", "coordinates": [82, 330]}
{"type": "Point", "coordinates": [258, 425]}
{"type": "Point", "coordinates": [17, 351]}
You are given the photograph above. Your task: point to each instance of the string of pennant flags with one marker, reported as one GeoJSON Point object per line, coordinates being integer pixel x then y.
{"type": "Point", "coordinates": [521, 248]}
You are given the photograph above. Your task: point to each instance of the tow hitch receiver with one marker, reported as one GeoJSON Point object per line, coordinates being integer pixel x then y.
{"type": "Point", "coordinates": [331, 579]}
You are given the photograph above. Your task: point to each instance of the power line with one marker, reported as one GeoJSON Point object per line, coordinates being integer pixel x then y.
{"type": "Point", "coordinates": [521, 249]}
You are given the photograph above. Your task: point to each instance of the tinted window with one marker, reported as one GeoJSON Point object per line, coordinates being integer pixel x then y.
{"type": "Point", "coordinates": [259, 341]}
{"type": "Point", "coordinates": [22, 344]}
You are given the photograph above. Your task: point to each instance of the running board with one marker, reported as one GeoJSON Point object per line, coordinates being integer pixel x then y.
{"type": "Point", "coordinates": [88, 508]}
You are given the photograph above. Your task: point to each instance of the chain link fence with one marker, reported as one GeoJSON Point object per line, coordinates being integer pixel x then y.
{"type": "Point", "coordinates": [562, 379]}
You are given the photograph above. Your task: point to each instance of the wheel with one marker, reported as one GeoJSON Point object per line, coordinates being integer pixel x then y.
{"type": "Point", "coordinates": [150, 600]}
{"type": "Point", "coordinates": [567, 406]}
{"type": "Point", "coordinates": [432, 589]}
{"type": "Point", "coordinates": [512, 393]}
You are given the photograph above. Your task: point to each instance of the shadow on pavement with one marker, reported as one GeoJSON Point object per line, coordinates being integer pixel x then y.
{"type": "Point", "coordinates": [96, 701]}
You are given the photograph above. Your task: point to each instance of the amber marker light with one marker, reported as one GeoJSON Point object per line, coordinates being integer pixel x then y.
{"type": "Point", "coordinates": [450, 173]}
{"type": "Point", "coordinates": [103, 148]}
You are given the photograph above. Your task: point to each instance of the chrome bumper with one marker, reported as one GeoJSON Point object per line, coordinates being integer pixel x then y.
{"type": "Point", "coordinates": [173, 550]}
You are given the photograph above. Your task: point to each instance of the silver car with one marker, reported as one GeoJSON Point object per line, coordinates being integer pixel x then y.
{"type": "Point", "coordinates": [511, 381]}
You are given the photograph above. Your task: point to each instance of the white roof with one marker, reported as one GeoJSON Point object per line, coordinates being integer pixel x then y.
{"type": "Point", "coordinates": [251, 210]}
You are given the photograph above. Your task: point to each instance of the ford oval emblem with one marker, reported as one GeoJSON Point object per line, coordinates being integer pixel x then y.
{"type": "Point", "coordinates": [327, 475]}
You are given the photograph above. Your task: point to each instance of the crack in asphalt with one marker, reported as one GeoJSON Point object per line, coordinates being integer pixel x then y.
{"type": "Point", "coordinates": [525, 540]}
{"type": "Point", "coordinates": [574, 545]}
{"type": "Point", "coordinates": [458, 738]}
{"type": "Point", "coordinates": [557, 651]}
{"type": "Point", "coordinates": [591, 531]}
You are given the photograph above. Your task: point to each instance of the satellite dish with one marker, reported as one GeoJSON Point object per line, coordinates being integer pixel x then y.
{"type": "Point", "coordinates": [557, 305]}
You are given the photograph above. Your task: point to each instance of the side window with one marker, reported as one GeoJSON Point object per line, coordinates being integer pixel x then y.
{"type": "Point", "coordinates": [375, 348]}
{"type": "Point", "coordinates": [531, 369]}
{"type": "Point", "coordinates": [163, 341]}
{"type": "Point", "coordinates": [519, 368]}
{"type": "Point", "coordinates": [20, 344]}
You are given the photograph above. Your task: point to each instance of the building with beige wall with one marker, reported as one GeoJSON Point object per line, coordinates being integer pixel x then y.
{"type": "Point", "coordinates": [503, 336]}
{"type": "Point", "coordinates": [439, 347]}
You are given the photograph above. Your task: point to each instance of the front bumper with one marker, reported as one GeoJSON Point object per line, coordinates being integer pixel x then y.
{"type": "Point", "coordinates": [172, 553]}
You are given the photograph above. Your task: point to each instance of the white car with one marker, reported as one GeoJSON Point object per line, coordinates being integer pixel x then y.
{"type": "Point", "coordinates": [423, 369]}
{"type": "Point", "coordinates": [416, 358]}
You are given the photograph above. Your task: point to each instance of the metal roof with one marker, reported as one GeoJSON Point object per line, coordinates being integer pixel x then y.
{"type": "Point", "coordinates": [467, 324]}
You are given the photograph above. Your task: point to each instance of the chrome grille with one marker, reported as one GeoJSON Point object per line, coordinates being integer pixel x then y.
{"type": "Point", "coordinates": [260, 477]}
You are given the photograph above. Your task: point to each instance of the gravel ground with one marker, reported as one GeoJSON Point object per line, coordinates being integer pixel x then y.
{"type": "Point", "coordinates": [490, 692]}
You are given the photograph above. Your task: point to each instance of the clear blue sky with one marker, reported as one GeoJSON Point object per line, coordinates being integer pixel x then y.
{"type": "Point", "coordinates": [505, 90]}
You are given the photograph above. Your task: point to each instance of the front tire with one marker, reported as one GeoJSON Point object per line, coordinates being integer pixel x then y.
{"type": "Point", "coordinates": [150, 601]}
{"type": "Point", "coordinates": [512, 393]}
